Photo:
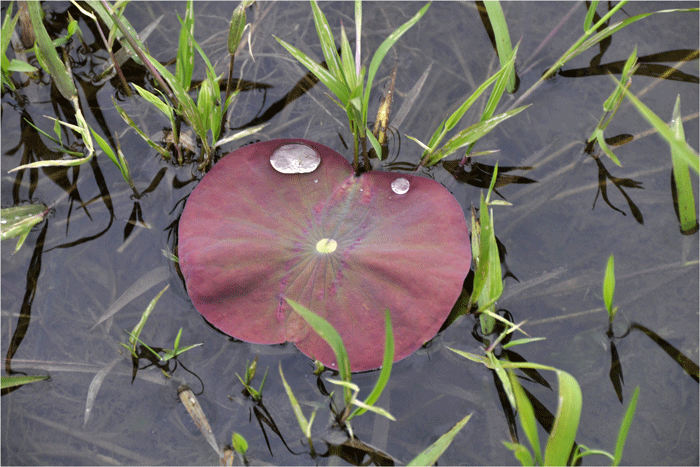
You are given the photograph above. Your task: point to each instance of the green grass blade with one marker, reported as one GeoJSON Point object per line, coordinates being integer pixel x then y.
{"type": "Point", "coordinates": [590, 15]}
{"type": "Point", "coordinates": [526, 414]}
{"type": "Point", "coordinates": [12, 381]}
{"type": "Point", "coordinates": [347, 61]}
{"type": "Point", "coordinates": [105, 15]}
{"type": "Point", "coordinates": [386, 366]}
{"type": "Point", "coordinates": [681, 175]}
{"type": "Point", "coordinates": [325, 37]}
{"type": "Point", "coordinates": [435, 450]}
{"type": "Point", "coordinates": [18, 221]}
{"type": "Point", "coordinates": [503, 45]}
{"type": "Point", "coordinates": [335, 85]}
{"type": "Point", "coordinates": [301, 419]}
{"type": "Point", "coordinates": [508, 67]}
{"type": "Point", "coordinates": [331, 336]}
{"type": "Point", "coordinates": [521, 453]}
{"type": "Point", "coordinates": [8, 25]}
{"type": "Point", "coordinates": [155, 101]}
{"type": "Point", "coordinates": [163, 152]}
{"type": "Point", "coordinates": [50, 58]}
{"type": "Point", "coordinates": [136, 332]}
{"type": "Point", "coordinates": [470, 135]}
{"type": "Point", "coordinates": [236, 27]}
{"type": "Point", "coordinates": [358, 36]}
{"type": "Point", "coordinates": [625, 427]}
{"type": "Point", "coordinates": [563, 434]}
{"type": "Point", "coordinates": [184, 65]}
{"type": "Point", "coordinates": [382, 51]}
{"type": "Point", "coordinates": [609, 286]}
{"type": "Point", "coordinates": [683, 150]}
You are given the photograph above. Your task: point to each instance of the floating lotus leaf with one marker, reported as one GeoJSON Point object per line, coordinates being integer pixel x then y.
{"type": "Point", "coordinates": [346, 247]}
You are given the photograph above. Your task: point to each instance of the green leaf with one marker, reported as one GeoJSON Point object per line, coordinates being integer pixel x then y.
{"type": "Point", "coordinates": [334, 84]}
{"type": "Point", "coordinates": [239, 443]}
{"type": "Point", "coordinates": [163, 152]}
{"type": "Point", "coordinates": [18, 221]}
{"type": "Point", "coordinates": [503, 45]}
{"type": "Point", "coordinates": [21, 66]}
{"type": "Point", "coordinates": [609, 286]}
{"type": "Point", "coordinates": [387, 364]}
{"type": "Point", "coordinates": [681, 175]}
{"type": "Point", "coordinates": [521, 453]}
{"type": "Point", "coordinates": [526, 415]}
{"type": "Point", "coordinates": [563, 434]}
{"type": "Point", "coordinates": [8, 26]}
{"type": "Point", "coordinates": [331, 336]}
{"type": "Point", "coordinates": [12, 381]}
{"type": "Point", "coordinates": [236, 27]}
{"type": "Point", "coordinates": [683, 151]}
{"type": "Point", "coordinates": [590, 15]}
{"type": "Point", "coordinates": [347, 61]}
{"type": "Point", "coordinates": [508, 68]}
{"type": "Point", "coordinates": [136, 332]}
{"type": "Point", "coordinates": [435, 450]}
{"type": "Point", "coordinates": [382, 51]}
{"type": "Point", "coordinates": [301, 419]}
{"type": "Point", "coordinates": [44, 46]}
{"type": "Point", "coordinates": [625, 427]}
{"type": "Point", "coordinates": [325, 37]}
{"type": "Point", "coordinates": [469, 135]}
{"type": "Point", "coordinates": [104, 11]}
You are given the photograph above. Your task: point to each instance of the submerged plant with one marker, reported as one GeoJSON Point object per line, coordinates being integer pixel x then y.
{"type": "Point", "coordinates": [289, 219]}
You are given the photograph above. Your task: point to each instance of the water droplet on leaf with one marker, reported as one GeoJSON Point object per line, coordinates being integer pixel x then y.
{"type": "Point", "coordinates": [295, 159]}
{"type": "Point", "coordinates": [400, 186]}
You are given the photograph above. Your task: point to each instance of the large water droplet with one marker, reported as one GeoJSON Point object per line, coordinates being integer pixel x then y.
{"type": "Point", "coordinates": [295, 159]}
{"type": "Point", "coordinates": [400, 186]}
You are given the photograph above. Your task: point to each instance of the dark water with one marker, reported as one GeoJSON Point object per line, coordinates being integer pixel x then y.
{"type": "Point", "coordinates": [557, 245]}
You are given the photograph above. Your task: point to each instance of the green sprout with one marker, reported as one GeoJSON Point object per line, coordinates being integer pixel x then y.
{"type": "Point", "coordinates": [344, 76]}
{"type": "Point", "coordinates": [251, 369]}
{"type": "Point", "coordinates": [136, 332]}
{"type": "Point", "coordinates": [609, 289]}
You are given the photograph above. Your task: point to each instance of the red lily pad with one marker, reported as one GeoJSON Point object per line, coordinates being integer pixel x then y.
{"type": "Point", "coordinates": [346, 247]}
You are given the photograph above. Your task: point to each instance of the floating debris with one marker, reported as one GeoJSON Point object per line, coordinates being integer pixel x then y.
{"type": "Point", "coordinates": [195, 410]}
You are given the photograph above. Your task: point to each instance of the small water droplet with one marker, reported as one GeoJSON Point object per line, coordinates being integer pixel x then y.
{"type": "Point", "coordinates": [3, 221]}
{"type": "Point", "coordinates": [400, 186]}
{"type": "Point", "coordinates": [316, 181]}
{"type": "Point", "coordinates": [295, 158]}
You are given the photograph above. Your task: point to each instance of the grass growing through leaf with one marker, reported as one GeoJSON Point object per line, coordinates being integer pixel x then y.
{"type": "Point", "coordinates": [345, 77]}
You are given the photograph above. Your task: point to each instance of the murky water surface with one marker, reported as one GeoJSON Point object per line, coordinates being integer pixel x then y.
{"type": "Point", "coordinates": [100, 241]}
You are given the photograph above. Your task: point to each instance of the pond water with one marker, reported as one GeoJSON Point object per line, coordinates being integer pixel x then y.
{"type": "Point", "coordinates": [100, 241]}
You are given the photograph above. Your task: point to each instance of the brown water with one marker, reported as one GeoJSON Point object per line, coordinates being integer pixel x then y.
{"type": "Point", "coordinates": [557, 247]}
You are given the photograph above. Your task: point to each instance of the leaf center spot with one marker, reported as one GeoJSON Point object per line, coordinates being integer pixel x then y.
{"type": "Point", "coordinates": [326, 245]}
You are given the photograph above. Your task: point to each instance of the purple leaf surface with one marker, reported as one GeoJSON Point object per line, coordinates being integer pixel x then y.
{"type": "Point", "coordinates": [345, 247]}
